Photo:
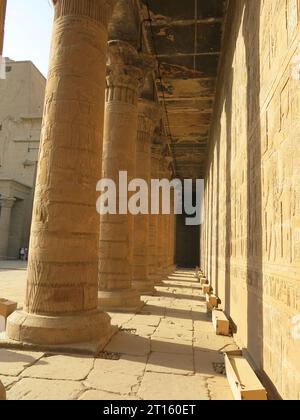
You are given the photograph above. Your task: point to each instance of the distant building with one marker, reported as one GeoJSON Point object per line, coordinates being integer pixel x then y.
{"type": "Point", "coordinates": [21, 108]}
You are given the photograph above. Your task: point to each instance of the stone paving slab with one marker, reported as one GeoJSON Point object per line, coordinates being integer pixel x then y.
{"type": "Point", "coordinates": [126, 343]}
{"type": "Point", "coordinates": [112, 382]}
{"type": "Point", "coordinates": [167, 351]}
{"type": "Point", "coordinates": [61, 368]}
{"type": "Point", "coordinates": [165, 345]}
{"type": "Point", "coordinates": [96, 395]}
{"type": "Point", "coordinates": [176, 364]}
{"type": "Point", "coordinates": [13, 363]}
{"type": "Point", "coordinates": [135, 365]}
{"type": "Point", "coordinates": [158, 386]}
{"type": "Point", "coordinates": [42, 389]}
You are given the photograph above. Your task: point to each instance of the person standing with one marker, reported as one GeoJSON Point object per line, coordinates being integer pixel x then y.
{"type": "Point", "coordinates": [22, 254]}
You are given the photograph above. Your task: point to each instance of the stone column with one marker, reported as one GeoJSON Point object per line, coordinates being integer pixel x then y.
{"type": "Point", "coordinates": [2, 392]}
{"type": "Point", "coordinates": [2, 22]}
{"type": "Point", "coordinates": [165, 227]}
{"type": "Point", "coordinates": [154, 252]}
{"type": "Point", "coordinates": [61, 306]}
{"type": "Point", "coordinates": [148, 118]}
{"type": "Point", "coordinates": [6, 205]}
{"type": "Point", "coordinates": [126, 72]}
{"type": "Point", "coordinates": [171, 242]}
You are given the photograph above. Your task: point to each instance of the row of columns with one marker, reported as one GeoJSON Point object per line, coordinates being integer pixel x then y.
{"type": "Point", "coordinates": [71, 246]}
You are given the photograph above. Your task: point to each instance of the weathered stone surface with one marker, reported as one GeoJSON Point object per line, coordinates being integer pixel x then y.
{"type": "Point", "coordinates": [2, 392]}
{"type": "Point", "coordinates": [150, 320]}
{"type": "Point", "coordinates": [165, 345]}
{"type": "Point", "coordinates": [126, 70]}
{"type": "Point", "coordinates": [204, 362]}
{"type": "Point", "coordinates": [112, 382]}
{"type": "Point", "coordinates": [13, 362]}
{"type": "Point", "coordinates": [180, 364]}
{"type": "Point", "coordinates": [42, 389]}
{"type": "Point", "coordinates": [7, 381]}
{"type": "Point", "coordinates": [134, 365]}
{"type": "Point", "coordinates": [159, 387]}
{"type": "Point", "coordinates": [60, 367]}
{"type": "Point", "coordinates": [21, 119]}
{"type": "Point", "coordinates": [61, 301]}
{"type": "Point", "coordinates": [172, 333]}
{"type": "Point", "coordinates": [155, 272]}
{"type": "Point", "coordinates": [148, 118]}
{"type": "Point", "coordinates": [140, 329]}
{"type": "Point", "coordinates": [250, 240]}
{"type": "Point", "coordinates": [124, 363]}
{"type": "Point", "coordinates": [219, 390]}
{"type": "Point", "coordinates": [94, 395]}
{"type": "Point", "coordinates": [212, 342]}
{"type": "Point", "coordinates": [126, 343]}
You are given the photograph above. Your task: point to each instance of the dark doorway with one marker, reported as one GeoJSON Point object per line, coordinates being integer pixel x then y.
{"type": "Point", "coordinates": [187, 244]}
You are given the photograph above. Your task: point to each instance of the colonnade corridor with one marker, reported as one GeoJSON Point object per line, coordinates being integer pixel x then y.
{"type": "Point", "coordinates": [162, 134]}
{"type": "Point", "coordinates": [167, 351]}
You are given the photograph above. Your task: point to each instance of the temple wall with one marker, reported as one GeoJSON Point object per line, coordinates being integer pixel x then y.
{"type": "Point", "coordinates": [251, 235]}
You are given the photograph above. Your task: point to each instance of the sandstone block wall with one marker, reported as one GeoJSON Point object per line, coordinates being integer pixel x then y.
{"type": "Point", "coordinates": [251, 236]}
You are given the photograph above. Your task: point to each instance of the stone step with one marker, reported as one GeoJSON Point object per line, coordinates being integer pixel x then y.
{"type": "Point", "coordinates": [221, 323]}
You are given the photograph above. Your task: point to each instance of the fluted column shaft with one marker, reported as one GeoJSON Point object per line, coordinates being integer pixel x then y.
{"type": "Point", "coordinates": [154, 272]}
{"type": "Point", "coordinates": [171, 262]}
{"type": "Point", "coordinates": [62, 283]}
{"type": "Point", "coordinates": [147, 120]}
{"type": "Point", "coordinates": [164, 230]}
{"type": "Point", "coordinates": [126, 71]}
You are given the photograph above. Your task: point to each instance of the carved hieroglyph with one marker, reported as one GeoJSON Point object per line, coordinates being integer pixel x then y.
{"type": "Point", "coordinates": [62, 284]}
{"type": "Point", "coordinates": [251, 232]}
{"type": "Point", "coordinates": [126, 71]}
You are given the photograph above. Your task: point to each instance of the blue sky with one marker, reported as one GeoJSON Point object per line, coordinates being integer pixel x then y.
{"type": "Point", "coordinates": [28, 31]}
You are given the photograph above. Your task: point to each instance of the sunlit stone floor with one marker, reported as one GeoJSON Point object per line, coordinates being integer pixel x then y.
{"type": "Point", "coordinates": [168, 351]}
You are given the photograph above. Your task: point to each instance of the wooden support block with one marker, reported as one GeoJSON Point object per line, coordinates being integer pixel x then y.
{"type": "Point", "coordinates": [243, 381]}
{"type": "Point", "coordinates": [221, 323]}
{"type": "Point", "coordinates": [212, 301]}
{"type": "Point", "coordinates": [7, 307]}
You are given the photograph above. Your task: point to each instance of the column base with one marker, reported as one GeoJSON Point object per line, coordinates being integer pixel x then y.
{"type": "Point", "coordinates": [144, 287]}
{"type": "Point", "coordinates": [2, 392]}
{"type": "Point", "coordinates": [88, 333]}
{"type": "Point", "coordinates": [121, 300]}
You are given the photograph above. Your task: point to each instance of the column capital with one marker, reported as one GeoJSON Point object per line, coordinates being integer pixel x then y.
{"type": "Point", "coordinates": [7, 202]}
{"type": "Point", "coordinates": [126, 68]}
{"type": "Point", "coordinates": [98, 10]}
{"type": "Point", "coordinates": [149, 115]}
